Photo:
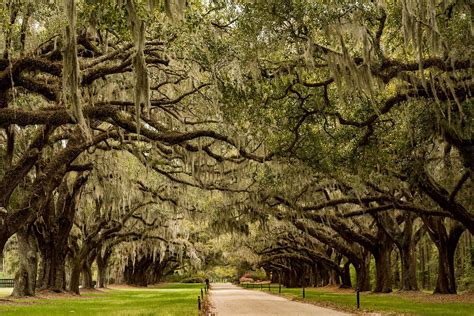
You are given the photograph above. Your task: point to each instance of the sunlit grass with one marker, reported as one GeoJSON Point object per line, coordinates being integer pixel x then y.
{"type": "Point", "coordinates": [5, 291]}
{"type": "Point", "coordinates": [377, 303]}
{"type": "Point", "coordinates": [169, 299]}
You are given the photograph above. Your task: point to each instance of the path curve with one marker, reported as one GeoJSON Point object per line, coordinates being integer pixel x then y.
{"type": "Point", "coordinates": [230, 300]}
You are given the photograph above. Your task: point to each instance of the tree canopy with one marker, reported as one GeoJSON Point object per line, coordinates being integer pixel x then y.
{"type": "Point", "coordinates": [319, 134]}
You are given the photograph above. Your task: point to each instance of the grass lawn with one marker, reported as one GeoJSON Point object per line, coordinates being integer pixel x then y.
{"type": "Point", "coordinates": [167, 299]}
{"type": "Point", "coordinates": [404, 303]}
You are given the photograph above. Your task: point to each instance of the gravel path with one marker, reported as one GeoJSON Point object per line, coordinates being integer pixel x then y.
{"type": "Point", "coordinates": [230, 300]}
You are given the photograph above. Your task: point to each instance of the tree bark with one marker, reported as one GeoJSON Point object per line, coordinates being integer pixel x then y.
{"type": "Point", "coordinates": [101, 275]}
{"type": "Point", "coordinates": [406, 245]}
{"type": "Point", "coordinates": [147, 271]}
{"type": "Point", "coordinates": [75, 275]}
{"type": "Point", "coordinates": [102, 261]}
{"type": "Point", "coordinates": [87, 282]}
{"type": "Point", "coordinates": [408, 265]}
{"type": "Point", "coordinates": [52, 234]}
{"type": "Point", "coordinates": [136, 274]}
{"type": "Point", "coordinates": [445, 284]}
{"type": "Point", "coordinates": [428, 268]}
{"type": "Point", "coordinates": [446, 244]}
{"type": "Point", "coordinates": [334, 278]}
{"type": "Point", "coordinates": [344, 244]}
{"type": "Point", "coordinates": [12, 222]}
{"type": "Point", "coordinates": [396, 269]}
{"type": "Point", "coordinates": [363, 274]}
{"type": "Point", "coordinates": [439, 195]}
{"type": "Point", "coordinates": [382, 255]}
{"type": "Point", "coordinates": [25, 279]}
{"type": "Point", "coordinates": [423, 266]}
{"type": "Point", "coordinates": [346, 282]}
{"type": "Point", "coordinates": [78, 262]}
{"type": "Point", "coordinates": [52, 270]}
{"type": "Point", "coordinates": [454, 235]}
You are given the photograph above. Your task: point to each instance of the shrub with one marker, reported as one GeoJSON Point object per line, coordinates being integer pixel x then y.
{"type": "Point", "coordinates": [246, 279]}
{"type": "Point", "coordinates": [193, 280]}
{"type": "Point", "coordinates": [258, 275]}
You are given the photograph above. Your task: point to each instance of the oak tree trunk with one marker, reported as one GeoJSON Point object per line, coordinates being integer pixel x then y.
{"type": "Point", "coordinates": [446, 244]}
{"type": "Point", "coordinates": [346, 276]}
{"type": "Point", "coordinates": [75, 276]}
{"type": "Point", "coordinates": [363, 274]}
{"type": "Point", "coordinates": [382, 255]}
{"type": "Point", "coordinates": [445, 283]}
{"type": "Point", "coordinates": [87, 282]}
{"type": "Point", "coordinates": [25, 279]}
{"type": "Point", "coordinates": [52, 234]}
{"type": "Point", "coordinates": [52, 270]}
{"type": "Point", "coordinates": [408, 264]}
{"type": "Point", "coordinates": [102, 261]}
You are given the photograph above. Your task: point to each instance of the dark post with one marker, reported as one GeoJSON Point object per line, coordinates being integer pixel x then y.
{"type": "Point", "coordinates": [358, 298]}
{"type": "Point", "coordinates": [199, 302]}
{"type": "Point", "coordinates": [261, 286]}
{"type": "Point", "coordinates": [269, 285]}
{"type": "Point", "coordinates": [304, 284]}
{"type": "Point", "coordinates": [202, 295]}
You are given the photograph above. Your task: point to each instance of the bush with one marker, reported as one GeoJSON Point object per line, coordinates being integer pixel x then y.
{"type": "Point", "coordinates": [193, 280]}
{"type": "Point", "coordinates": [245, 279]}
{"type": "Point", "coordinates": [258, 275]}
{"type": "Point", "coordinates": [174, 278]}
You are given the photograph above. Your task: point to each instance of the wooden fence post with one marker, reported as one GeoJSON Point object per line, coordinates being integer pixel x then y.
{"type": "Point", "coordinates": [358, 298]}
{"type": "Point", "coordinates": [304, 284]}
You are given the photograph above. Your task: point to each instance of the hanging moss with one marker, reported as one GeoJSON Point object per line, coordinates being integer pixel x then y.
{"type": "Point", "coordinates": [142, 86]}
{"type": "Point", "coordinates": [71, 72]}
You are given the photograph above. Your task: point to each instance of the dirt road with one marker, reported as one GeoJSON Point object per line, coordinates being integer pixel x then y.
{"type": "Point", "coordinates": [230, 300]}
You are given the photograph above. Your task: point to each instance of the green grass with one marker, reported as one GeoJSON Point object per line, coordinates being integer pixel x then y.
{"type": "Point", "coordinates": [379, 303]}
{"type": "Point", "coordinates": [168, 299]}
